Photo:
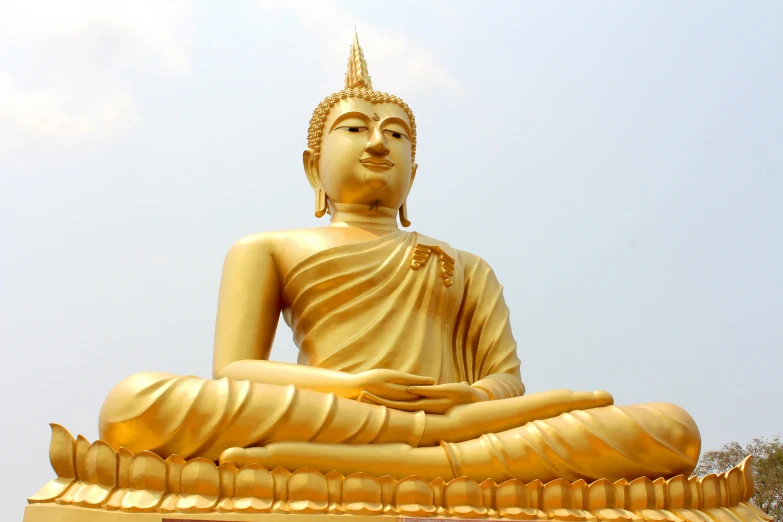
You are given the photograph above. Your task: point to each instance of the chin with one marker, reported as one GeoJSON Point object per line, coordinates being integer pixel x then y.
{"type": "Point", "coordinates": [377, 181]}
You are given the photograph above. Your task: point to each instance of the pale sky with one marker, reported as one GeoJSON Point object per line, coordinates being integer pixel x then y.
{"type": "Point", "coordinates": [619, 164]}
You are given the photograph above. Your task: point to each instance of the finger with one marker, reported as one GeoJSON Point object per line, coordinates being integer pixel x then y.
{"type": "Point", "coordinates": [437, 391]}
{"type": "Point", "coordinates": [438, 406]}
{"type": "Point", "coordinates": [397, 392]}
{"type": "Point", "coordinates": [409, 379]}
{"type": "Point", "coordinates": [366, 398]}
{"type": "Point", "coordinates": [371, 398]}
{"type": "Point", "coordinates": [424, 391]}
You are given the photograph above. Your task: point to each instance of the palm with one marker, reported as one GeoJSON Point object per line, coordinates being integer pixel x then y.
{"type": "Point", "coordinates": [437, 399]}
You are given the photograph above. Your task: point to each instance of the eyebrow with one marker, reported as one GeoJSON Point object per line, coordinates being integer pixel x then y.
{"type": "Point", "coordinates": [397, 120]}
{"type": "Point", "coordinates": [351, 114]}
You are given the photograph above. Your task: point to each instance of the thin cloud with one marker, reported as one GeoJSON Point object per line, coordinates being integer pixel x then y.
{"type": "Point", "coordinates": [397, 64]}
{"type": "Point", "coordinates": [84, 53]}
{"type": "Point", "coordinates": [45, 112]}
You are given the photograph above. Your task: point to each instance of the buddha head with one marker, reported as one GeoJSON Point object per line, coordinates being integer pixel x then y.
{"type": "Point", "coordinates": [361, 145]}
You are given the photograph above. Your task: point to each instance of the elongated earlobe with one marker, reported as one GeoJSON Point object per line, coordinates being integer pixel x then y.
{"type": "Point", "coordinates": [404, 214]}
{"type": "Point", "coordinates": [320, 202]}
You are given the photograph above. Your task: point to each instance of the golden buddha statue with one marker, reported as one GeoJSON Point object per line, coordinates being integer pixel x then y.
{"type": "Point", "coordinates": [407, 363]}
{"type": "Point", "coordinates": [407, 397]}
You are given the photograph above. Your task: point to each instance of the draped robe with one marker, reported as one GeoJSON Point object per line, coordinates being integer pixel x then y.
{"type": "Point", "coordinates": [414, 304]}
{"type": "Point", "coordinates": [364, 306]}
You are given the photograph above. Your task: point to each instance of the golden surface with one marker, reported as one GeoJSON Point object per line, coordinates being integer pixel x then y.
{"type": "Point", "coordinates": [56, 513]}
{"type": "Point", "coordinates": [94, 477]}
{"type": "Point", "coordinates": [407, 397]}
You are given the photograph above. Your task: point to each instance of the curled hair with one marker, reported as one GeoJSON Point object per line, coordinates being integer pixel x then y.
{"type": "Point", "coordinates": [315, 131]}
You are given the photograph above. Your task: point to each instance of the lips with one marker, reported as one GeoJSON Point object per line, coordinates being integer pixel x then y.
{"type": "Point", "coordinates": [380, 164]}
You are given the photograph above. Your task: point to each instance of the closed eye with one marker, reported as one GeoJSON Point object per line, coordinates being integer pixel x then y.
{"type": "Point", "coordinates": [395, 134]}
{"type": "Point", "coordinates": [353, 129]}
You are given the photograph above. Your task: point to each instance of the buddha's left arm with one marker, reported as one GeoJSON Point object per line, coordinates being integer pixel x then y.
{"type": "Point", "coordinates": [501, 386]}
{"type": "Point", "coordinates": [484, 331]}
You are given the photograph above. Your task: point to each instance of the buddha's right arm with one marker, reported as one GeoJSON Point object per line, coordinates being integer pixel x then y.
{"type": "Point", "coordinates": [249, 307]}
{"type": "Point", "coordinates": [304, 377]}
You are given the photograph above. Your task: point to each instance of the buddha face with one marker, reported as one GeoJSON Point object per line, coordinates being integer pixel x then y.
{"type": "Point", "coordinates": [365, 155]}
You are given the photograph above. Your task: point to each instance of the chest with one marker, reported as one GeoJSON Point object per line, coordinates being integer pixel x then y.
{"type": "Point", "coordinates": [302, 244]}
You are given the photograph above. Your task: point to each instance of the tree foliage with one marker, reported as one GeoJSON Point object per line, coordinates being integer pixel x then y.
{"type": "Point", "coordinates": [767, 464]}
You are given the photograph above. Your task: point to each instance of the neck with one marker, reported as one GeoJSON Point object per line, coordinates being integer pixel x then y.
{"type": "Point", "coordinates": [362, 216]}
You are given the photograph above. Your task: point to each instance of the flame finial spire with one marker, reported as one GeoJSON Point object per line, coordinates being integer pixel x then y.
{"type": "Point", "coordinates": [357, 76]}
{"type": "Point", "coordinates": [357, 85]}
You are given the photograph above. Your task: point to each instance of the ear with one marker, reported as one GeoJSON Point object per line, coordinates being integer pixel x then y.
{"type": "Point", "coordinates": [310, 164]}
{"type": "Point", "coordinates": [414, 167]}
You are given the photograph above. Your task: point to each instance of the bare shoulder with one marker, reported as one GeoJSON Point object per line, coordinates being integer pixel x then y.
{"type": "Point", "coordinates": [255, 243]}
{"type": "Point", "coordinates": [273, 240]}
{"type": "Point", "coordinates": [285, 248]}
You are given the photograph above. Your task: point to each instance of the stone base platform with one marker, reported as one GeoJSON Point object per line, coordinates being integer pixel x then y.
{"type": "Point", "coordinates": [97, 484]}
{"type": "Point", "coordinates": [56, 513]}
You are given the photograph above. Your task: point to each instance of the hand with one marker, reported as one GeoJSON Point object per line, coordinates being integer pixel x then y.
{"type": "Point", "coordinates": [438, 398]}
{"type": "Point", "coordinates": [387, 385]}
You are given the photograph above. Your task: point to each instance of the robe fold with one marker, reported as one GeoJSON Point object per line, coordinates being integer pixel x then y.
{"type": "Point", "coordinates": [363, 306]}
{"type": "Point", "coordinates": [413, 304]}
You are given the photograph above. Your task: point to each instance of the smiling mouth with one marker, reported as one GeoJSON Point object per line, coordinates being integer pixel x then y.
{"type": "Point", "coordinates": [376, 164]}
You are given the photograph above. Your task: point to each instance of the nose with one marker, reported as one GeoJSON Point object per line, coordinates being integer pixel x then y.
{"type": "Point", "coordinates": [377, 143]}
